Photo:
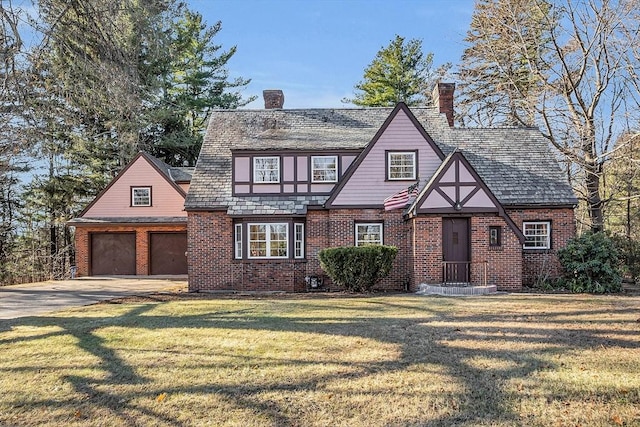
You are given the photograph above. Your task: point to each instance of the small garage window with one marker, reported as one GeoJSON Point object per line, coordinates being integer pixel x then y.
{"type": "Point", "coordinates": [140, 196]}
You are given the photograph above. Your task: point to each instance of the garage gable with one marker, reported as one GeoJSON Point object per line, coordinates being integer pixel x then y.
{"type": "Point", "coordinates": [141, 189]}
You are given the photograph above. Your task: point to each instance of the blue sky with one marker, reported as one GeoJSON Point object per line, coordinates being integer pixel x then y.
{"type": "Point", "coordinates": [317, 50]}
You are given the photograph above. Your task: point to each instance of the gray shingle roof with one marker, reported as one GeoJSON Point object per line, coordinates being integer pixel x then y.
{"type": "Point", "coordinates": [516, 164]}
{"type": "Point", "coordinates": [128, 220]}
{"type": "Point", "coordinates": [175, 174]}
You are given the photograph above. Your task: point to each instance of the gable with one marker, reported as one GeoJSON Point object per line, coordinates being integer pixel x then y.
{"type": "Point", "coordinates": [456, 188]}
{"type": "Point", "coordinates": [167, 198]}
{"type": "Point", "coordinates": [365, 183]}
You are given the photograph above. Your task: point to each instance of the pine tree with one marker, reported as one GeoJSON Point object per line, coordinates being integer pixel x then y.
{"type": "Point", "coordinates": [195, 81]}
{"type": "Point", "coordinates": [400, 72]}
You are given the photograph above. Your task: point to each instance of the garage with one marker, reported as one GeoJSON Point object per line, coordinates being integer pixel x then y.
{"type": "Point", "coordinates": [168, 253]}
{"type": "Point", "coordinates": [113, 254]}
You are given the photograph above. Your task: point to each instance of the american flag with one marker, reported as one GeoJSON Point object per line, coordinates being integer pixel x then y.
{"type": "Point", "coordinates": [400, 200]}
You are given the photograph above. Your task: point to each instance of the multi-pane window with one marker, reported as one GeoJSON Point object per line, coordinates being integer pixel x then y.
{"type": "Point", "coordinates": [368, 234]}
{"type": "Point", "coordinates": [537, 234]}
{"type": "Point", "coordinates": [268, 240]}
{"type": "Point", "coordinates": [238, 241]}
{"type": "Point", "coordinates": [324, 168]}
{"type": "Point", "coordinates": [298, 241]}
{"type": "Point", "coordinates": [140, 196]}
{"type": "Point", "coordinates": [266, 169]}
{"type": "Point", "coordinates": [401, 165]}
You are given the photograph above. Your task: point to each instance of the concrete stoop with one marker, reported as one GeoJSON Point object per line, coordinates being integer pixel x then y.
{"type": "Point", "coordinates": [456, 290]}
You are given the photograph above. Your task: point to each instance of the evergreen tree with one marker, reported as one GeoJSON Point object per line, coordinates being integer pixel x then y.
{"type": "Point", "coordinates": [400, 72]}
{"type": "Point", "coordinates": [195, 81]}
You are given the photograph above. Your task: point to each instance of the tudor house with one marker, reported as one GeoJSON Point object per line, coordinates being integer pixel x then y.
{"type": "Point", "coordinates": [137, 225]}
{"type": "Point", "coordinates": [273, 187]}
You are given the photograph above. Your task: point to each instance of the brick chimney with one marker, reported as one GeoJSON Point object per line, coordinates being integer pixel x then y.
{"type": "Point", "coordinates": [443, 99]}
{"type": "Point", "coordinates": [273, 98]}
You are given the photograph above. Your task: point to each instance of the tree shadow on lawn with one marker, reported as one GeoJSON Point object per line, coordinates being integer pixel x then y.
{"type": "Point", "coordinates": [439, 336]}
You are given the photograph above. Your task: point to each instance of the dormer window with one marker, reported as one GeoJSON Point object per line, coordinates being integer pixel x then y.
{"type": "Point", "coordinates": [140, 196]}
{"type": "Point", "coordinates": [401, 165]}
{"type": "Point", "coordinates": [324, 168]}
{"type": "Point", "coordinates": [266, 169]}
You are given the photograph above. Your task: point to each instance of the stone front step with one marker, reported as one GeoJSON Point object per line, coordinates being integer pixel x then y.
{"type": "Point", "coordinates": [453, 290]}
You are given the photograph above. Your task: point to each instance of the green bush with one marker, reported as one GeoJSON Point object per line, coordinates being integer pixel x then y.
{"type": "Point", "coordinates": [629, 253]}
{"type": "Point", "coordinates": [358, 268]}
{"type": "Point", "coordinates": [591, 264]}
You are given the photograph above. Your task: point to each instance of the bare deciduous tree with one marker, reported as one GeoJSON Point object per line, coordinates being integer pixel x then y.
{"type": "Point", "coordinates": [580, 68]}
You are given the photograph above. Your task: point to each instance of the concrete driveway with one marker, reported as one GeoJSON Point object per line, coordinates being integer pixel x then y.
{"type": "Point", "coordinates": [44, 297]}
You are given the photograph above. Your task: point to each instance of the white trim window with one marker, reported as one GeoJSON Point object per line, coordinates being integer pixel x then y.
{"type": "Point", "coordinates": [368, 233]}
{"type": "Point", "coordinates": [237, 241]}
{"type": "Point", "coordinates": [298, 240]}
{"type": "Point", "coordinates": [266, 169]}
{"type": "Point", "coordinates": [269, 240]}
{"type": "Point", "coordinates": [401, 166]}
{"type": "Point", "coordinates": [324, 168]}
{"type": "Point", "coordinates": [537, 234]}
{"type": "Point", "coordinates": [140, 196]}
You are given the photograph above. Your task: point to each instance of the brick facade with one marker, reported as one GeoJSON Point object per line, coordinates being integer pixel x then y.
{"type": "Point", "coordinates": [419, 240]}
{"type": "Point", "coordinates": [541, 264]}
{"type": "Point", "coordinates": [83, 243]}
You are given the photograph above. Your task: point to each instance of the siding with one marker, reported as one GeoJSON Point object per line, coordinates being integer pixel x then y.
{"type": "Point", "coordinates": [367, 185]}
{"type": "Point", "coordinates": [116, 201]}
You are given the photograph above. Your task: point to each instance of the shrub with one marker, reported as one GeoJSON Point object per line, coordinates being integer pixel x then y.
{"type": "Point", "coordinates": [591, 264]}
{"type": "Point", "coordinates": [358, 268]}
{"type": "Point", "coordinates": [629, 252]}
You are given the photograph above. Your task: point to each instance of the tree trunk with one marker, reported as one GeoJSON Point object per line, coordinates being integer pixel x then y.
{"type": "Point", "coordinates": [593, 173]}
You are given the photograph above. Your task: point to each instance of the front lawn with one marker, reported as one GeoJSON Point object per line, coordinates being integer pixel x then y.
{"type": "Point", "coordinates": [401, 360]}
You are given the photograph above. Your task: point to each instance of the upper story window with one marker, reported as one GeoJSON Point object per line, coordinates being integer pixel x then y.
{"type": "Point", "coordinates": [401, 165]}
{"type": "Point", "coordinates": [140, 196]}
{"type": "Point", "coordinates": [368, 234]}
{"type": "Point", "coordinates": [324, 168]}
{"type": "Point", "coordinates": [537, 234]}
{"type": "Point", "coordinates": [266, 169]}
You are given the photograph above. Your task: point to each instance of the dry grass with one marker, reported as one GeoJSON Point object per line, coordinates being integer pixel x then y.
{"type": "Point", "coordinates": [372, 361]}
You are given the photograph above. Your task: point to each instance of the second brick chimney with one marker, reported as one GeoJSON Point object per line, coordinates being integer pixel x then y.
{"type": "Point", "coordinates": [443, 99]}
{"type": "Point", "coordinates": [273, 98]}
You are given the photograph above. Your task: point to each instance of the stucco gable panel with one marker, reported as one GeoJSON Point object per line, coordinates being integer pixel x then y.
{"type": "Point", "coordinates": [435, 200]}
